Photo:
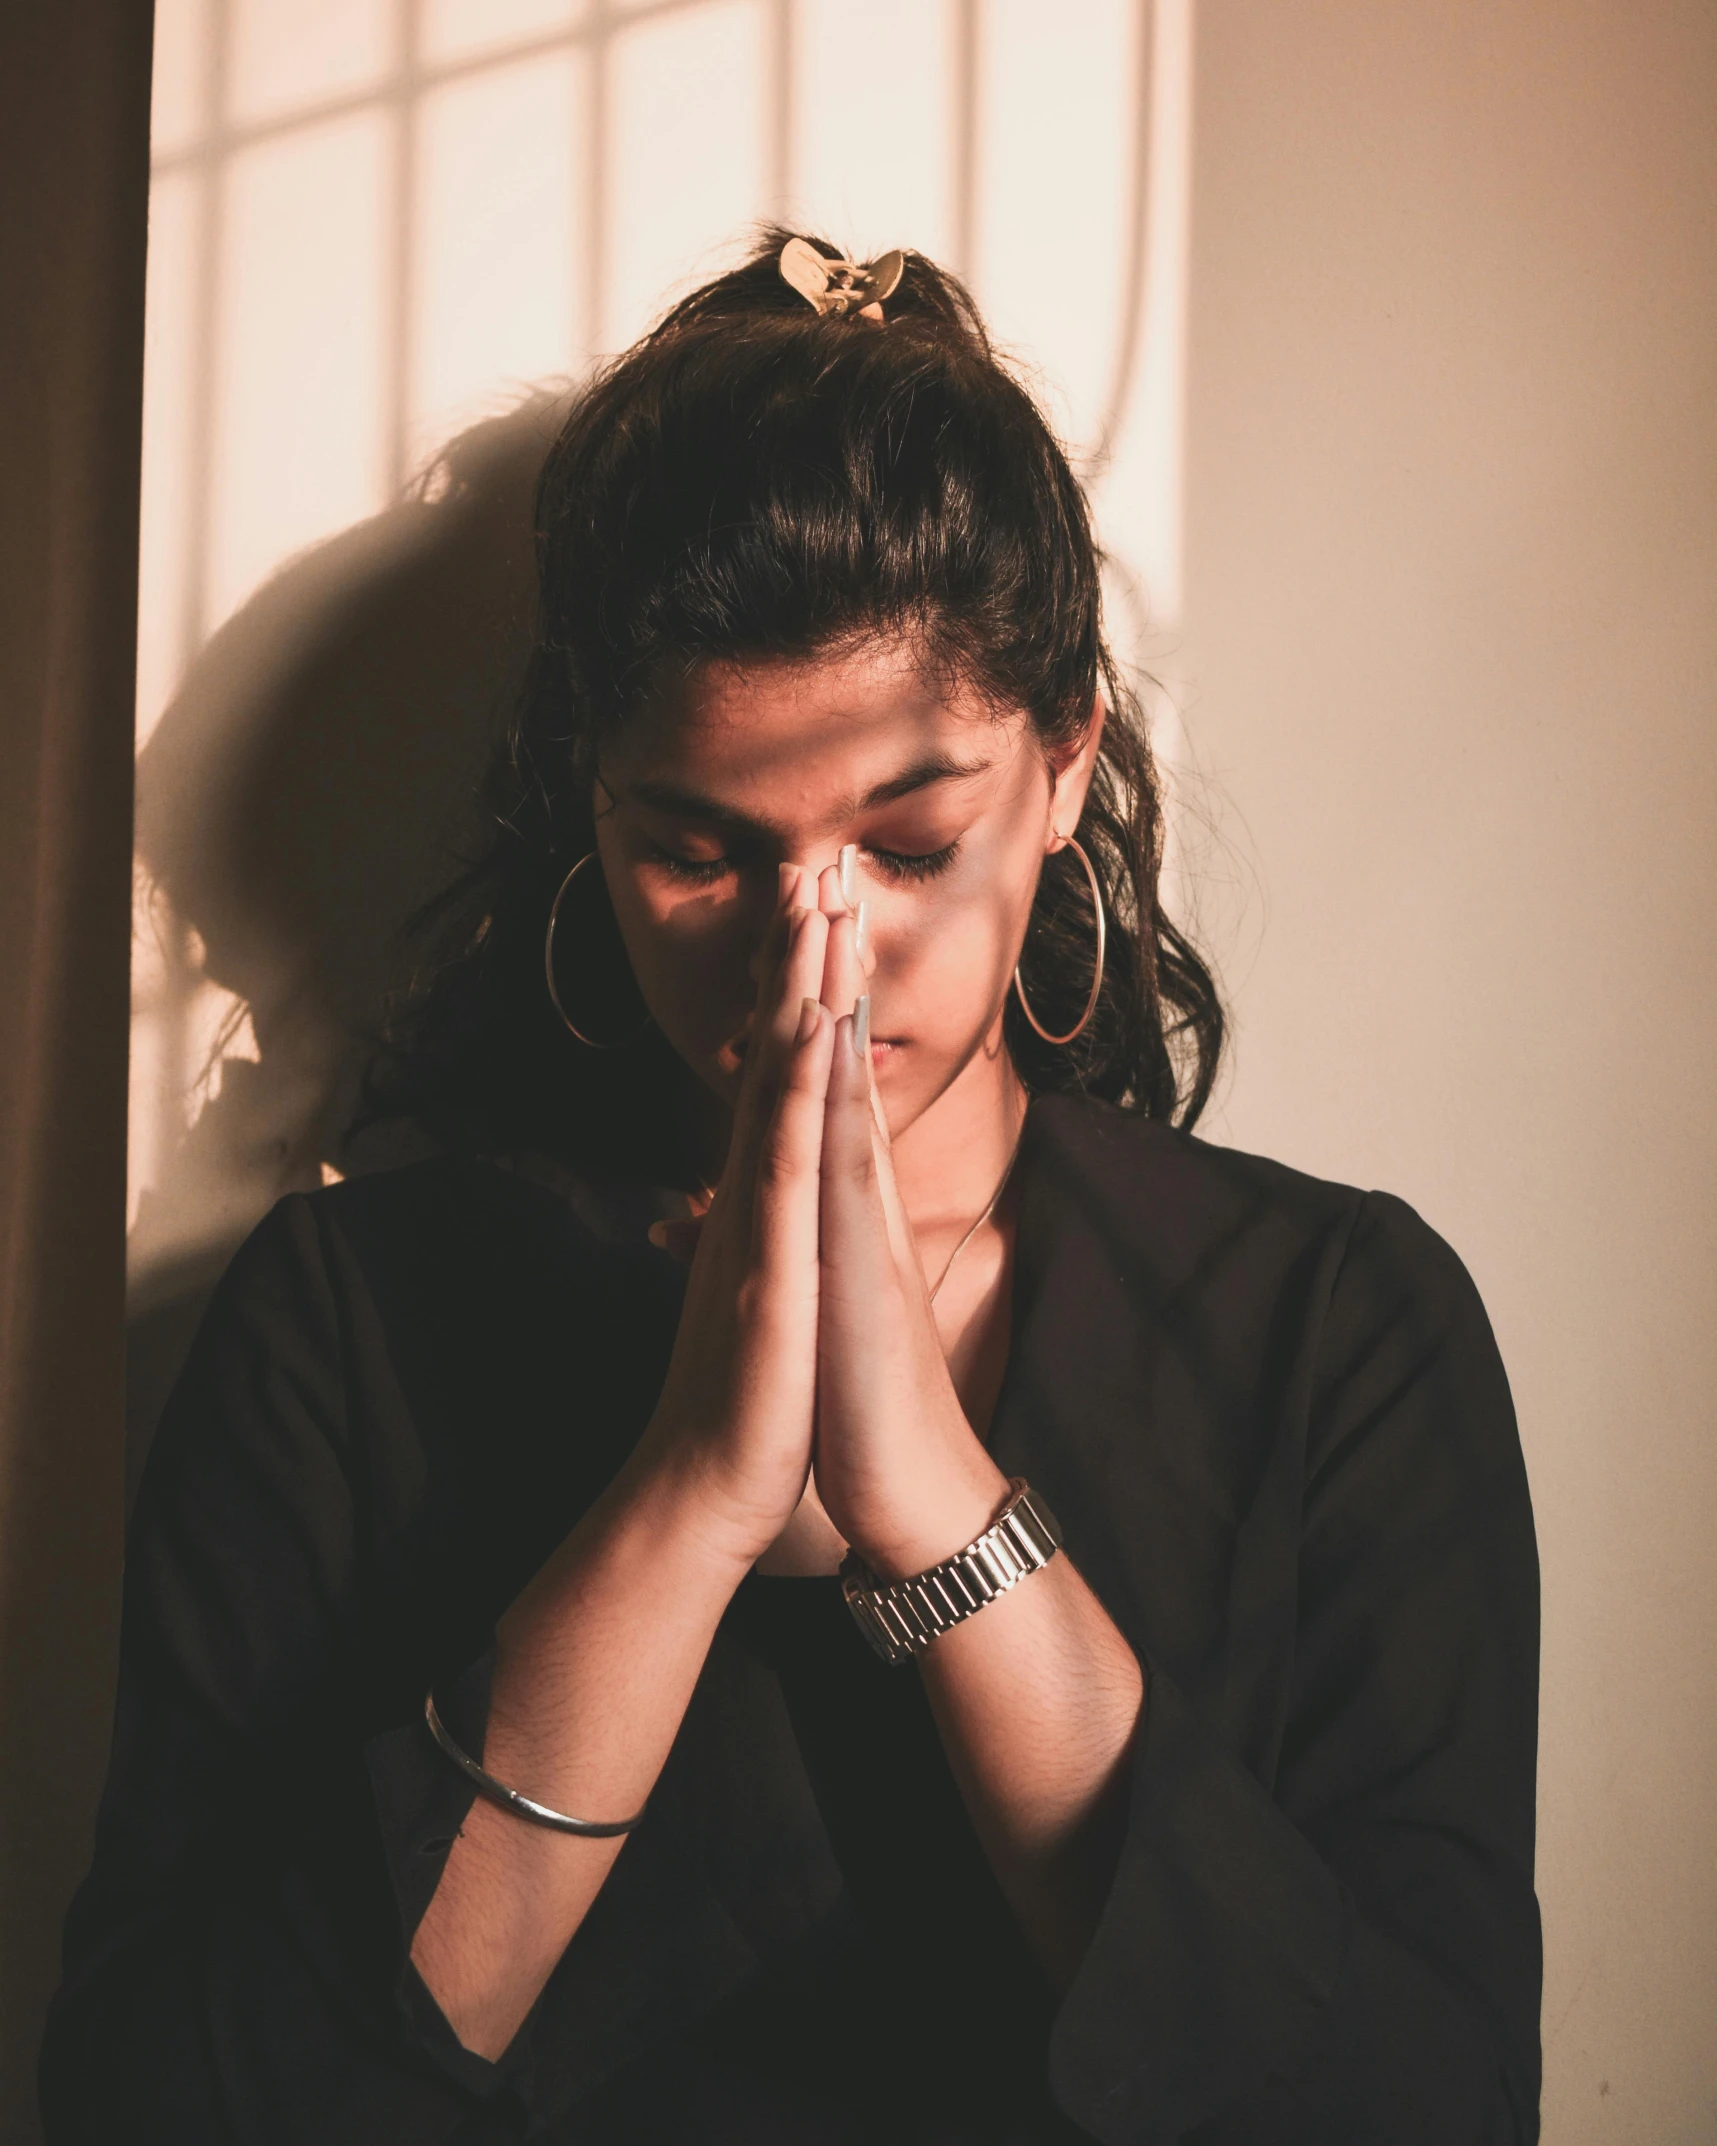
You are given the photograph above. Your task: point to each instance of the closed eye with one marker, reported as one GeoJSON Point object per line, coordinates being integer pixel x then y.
{"type": "Point", "coordinates": [913, 864]}
{"type": "Point", "coordinates": [694, 871]}
{"type": "Point", "coordinates": [899, 865]}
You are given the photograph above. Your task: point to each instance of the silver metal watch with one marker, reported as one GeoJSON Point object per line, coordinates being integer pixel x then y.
{"type": "Point", "coordinates": [901, 1617]}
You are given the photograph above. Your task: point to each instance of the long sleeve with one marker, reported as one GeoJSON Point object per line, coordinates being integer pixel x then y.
{"type": "Point", "coordinates": [236, 1962]}
{"type": "Point", "coordinates": [1338, 1942]}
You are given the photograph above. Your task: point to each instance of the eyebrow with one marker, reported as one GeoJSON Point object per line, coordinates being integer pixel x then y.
{"type": "Point", "coordinates": [688, 804]}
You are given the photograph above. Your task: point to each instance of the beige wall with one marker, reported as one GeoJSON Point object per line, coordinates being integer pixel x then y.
{"type": "Point", "coordinates": [1451, 658]}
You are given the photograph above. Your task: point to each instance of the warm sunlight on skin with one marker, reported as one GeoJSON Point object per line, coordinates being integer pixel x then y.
{"type": "Point", "coordinates": [726, 775]}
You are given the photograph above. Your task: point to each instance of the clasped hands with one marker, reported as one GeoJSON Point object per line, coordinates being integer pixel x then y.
{"type": "Point", "coordinates": [807, 1352]}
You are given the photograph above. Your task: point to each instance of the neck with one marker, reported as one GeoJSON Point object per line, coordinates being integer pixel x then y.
{"type": "Point", "coordinates": [948, 1161]}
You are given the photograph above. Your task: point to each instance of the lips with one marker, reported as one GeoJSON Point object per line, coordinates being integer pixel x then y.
{"type": "Point", "coordinates": [879, 1045]}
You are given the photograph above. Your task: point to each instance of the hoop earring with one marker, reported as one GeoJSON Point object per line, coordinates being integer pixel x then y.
{"type": "Point", "coordinates": [1097, 978]}
{"type": "Point", "coordinates": [590, 1042]}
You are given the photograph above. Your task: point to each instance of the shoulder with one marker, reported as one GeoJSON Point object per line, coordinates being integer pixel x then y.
{"type": "Point", "coordinates": [445, 1277]}
{"type": "Point", "coordinates": [444, 1348]}
{"type": "Point", "coordinates": [1235, 1239]}
{"type": "Point", "coordinates": [1171, 1201]}
{"type": "Point", "coordinates": [1169, 1184]}
{"type": "Point", "coordinates": [1102, 1137]}
{"type": "Point", "coordinates": [276, 1334]}
{"type": "Point", "coordinates": [448, 1215]}
{"type": "Point", "coordinates": [1393, 1349]}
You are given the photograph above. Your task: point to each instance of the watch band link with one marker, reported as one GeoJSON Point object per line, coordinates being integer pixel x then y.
{"type": "Point", "coordinates": [901, 1617]}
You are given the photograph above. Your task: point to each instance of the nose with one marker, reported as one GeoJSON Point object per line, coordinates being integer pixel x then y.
{"type": "Point", "coordinates": [801, 882]}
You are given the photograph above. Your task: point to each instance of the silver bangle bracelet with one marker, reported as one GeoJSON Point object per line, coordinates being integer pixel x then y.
{"type": "Point", "coordinates": [510, 1799]}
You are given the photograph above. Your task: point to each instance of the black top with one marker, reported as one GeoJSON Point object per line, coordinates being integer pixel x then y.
{"type": "Point", "coordinates": [1269, 1415]}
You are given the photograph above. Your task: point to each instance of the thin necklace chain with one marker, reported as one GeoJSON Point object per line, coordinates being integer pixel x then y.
{"type": "Point", "coordinates": [989, 1210]}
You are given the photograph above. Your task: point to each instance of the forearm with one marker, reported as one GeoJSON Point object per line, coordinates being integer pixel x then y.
{"type": "Point", "coordinates": [594, 1666]}
{"type": "Point", "coordinates": [1037, 1699]}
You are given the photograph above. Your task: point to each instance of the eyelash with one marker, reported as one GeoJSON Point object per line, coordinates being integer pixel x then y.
{"type": "Point", "coordinates": [696, 872]}
{"type": "Point", "coordinates": [898, 865]}
{"type": "Point", "coordinates": [905, 865]}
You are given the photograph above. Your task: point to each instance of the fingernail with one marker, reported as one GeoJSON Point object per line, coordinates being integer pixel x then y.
{"type": "Point", "coordinates": [861, 924]}
{"type": "Point", "coordinates": [787, 885]}
{"type": "Point", "coordinates": [861, 1026]}
{"type": "Point", "coordinates": [658, 1234]}
{"type": "Point", "coordinates": [848, 866]}
{"type": "Point", "coordinates": [807, 1028]}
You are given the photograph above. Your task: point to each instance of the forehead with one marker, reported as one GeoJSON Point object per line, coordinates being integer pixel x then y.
{"type": "Point", "coordinates": [787, 738]}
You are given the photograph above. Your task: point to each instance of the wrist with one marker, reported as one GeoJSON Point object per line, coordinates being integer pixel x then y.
{"type": "Point", "coordinates": [645, 1541]}
{"type": "Point", "coordinates": [932, 1519]}
{"type": "Point", "coordinates": [669, 1490]}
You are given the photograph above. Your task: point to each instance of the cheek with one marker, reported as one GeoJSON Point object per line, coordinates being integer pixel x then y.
{"type": "Point", "coordinates": [689, 953]}
{"type": "Point", "coordinates": [945, 955]}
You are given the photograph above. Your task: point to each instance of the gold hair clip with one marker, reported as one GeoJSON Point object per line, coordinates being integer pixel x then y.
{"type": "Point", "coordinates": [841, 286]}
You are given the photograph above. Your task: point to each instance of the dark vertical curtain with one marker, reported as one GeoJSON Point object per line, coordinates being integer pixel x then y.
{"type": "Point", "coordinates": [74, 174]}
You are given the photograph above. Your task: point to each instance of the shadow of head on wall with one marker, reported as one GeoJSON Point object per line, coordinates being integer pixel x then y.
{"type": "Point", "coordinates": [312, 782]}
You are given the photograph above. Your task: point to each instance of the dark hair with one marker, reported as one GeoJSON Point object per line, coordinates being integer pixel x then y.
{"type": "Point", "coordinates": [753, 479]}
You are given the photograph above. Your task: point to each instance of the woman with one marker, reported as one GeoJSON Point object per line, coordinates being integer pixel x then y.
{"type": "Point", "coordinates": [535, 1720]}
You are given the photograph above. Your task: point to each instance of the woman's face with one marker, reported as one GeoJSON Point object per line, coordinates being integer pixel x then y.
{"type": "Point", "coordinates": [723, 776]}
